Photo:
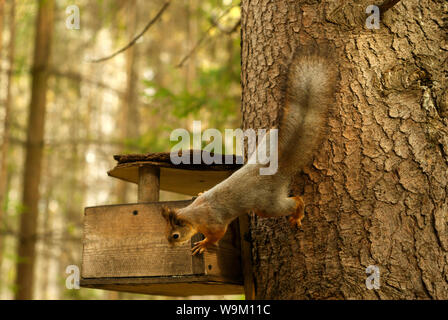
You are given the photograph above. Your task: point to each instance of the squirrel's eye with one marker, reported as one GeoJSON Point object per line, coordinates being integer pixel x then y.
{"type": "Point", "coordinates": [175, 236]}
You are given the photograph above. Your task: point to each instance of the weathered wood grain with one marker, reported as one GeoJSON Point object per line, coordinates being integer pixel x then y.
{"type": "Point", "coordinates": [128, 242]}
{"type": "Point", "coordinates": [165, 158]}
{"type": "Point", "coordinates": [225, 258]}
{"type": "Point", "coordinates": [148, 184]}
{"type": "Point", "coordinates": [167, 286]}
{"type": "Point", "coordinates": [189, 182]}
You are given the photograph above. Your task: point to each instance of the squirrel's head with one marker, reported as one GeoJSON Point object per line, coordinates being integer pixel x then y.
{"type": "Point", "coordinates": [178, 229]}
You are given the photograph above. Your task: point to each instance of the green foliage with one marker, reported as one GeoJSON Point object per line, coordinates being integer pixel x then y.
{"type": "Point", "coordinates": [149, 140]}
{"type": "Point", "coordinates": [215, 93]}
{"type": "Point", "coordinates": [213, 96]}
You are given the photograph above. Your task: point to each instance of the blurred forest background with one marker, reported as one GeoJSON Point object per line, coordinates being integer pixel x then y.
{"type": "Point", "coordinates": [185, 67]}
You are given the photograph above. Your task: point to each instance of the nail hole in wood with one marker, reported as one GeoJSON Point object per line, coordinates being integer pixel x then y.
{"type": "Point", "coordinates": [135, 212]}
{"type": "Point", "coordinates": [209, 267]}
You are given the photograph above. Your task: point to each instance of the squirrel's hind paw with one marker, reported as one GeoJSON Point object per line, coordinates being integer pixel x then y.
{"type": "Point", "coordinates": [296, 218]}
{"type": "Point", "coordinates": [295, 222]}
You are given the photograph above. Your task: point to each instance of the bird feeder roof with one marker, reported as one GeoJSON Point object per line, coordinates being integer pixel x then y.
{"type": "Point", "coordinates": [186, 178]}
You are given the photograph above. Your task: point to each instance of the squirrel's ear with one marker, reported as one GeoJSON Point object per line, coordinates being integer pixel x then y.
{"type": "Point", "coordinates": [166, 212]}
{"type": "Point", "coordinates": [170, 215]}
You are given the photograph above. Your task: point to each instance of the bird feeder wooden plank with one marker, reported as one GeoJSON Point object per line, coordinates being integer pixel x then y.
{"type": "Point", "coordinates": [125, 249]}
{"type": "Point", "coordinates": [166, 286]}
{"type": "Point", "coordinates": [125, 246]}
{"type": "Point", "coordinates": [148, 183]}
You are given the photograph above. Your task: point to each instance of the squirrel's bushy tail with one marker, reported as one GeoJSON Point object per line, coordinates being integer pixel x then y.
{"type": "Point", "coordinates": [309, 99]}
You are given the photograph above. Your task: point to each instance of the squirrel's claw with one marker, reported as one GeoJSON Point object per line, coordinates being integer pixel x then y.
{"type": "Point", "coordinates": [199, 247]}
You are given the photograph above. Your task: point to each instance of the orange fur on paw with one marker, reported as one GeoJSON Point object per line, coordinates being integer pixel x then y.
{"type": "Point", "coordinates": [199, 247]}
{"type": "Point", "coordinates": [296, 218]}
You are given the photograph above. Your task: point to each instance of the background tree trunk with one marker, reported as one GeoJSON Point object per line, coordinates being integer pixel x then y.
{"type": "Point", "coordinates": [129, 115]}
{"type": "Point", "coordinates": [7, 111]}
{"type": "Point", "coordinates": [376, 193]}
{"type": "Point", "coordinates": [2, 19]}
{"type": "Point", "coordinates": [34, 150]}
{"type": "Point", "coordinates": [128, 122]}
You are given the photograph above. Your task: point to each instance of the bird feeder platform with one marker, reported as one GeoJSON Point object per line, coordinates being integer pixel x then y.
{"type": "Point", "coordinates": [125, 246]}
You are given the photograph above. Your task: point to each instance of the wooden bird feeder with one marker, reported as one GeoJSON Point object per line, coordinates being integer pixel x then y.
{"type": "Point", "coordinates": [125, 246]}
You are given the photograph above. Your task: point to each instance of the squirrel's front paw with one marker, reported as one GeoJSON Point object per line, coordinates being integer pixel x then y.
{"type": "Point", "coordinates": [201, 193]}
{"type": "Point", "coordinates": [199, 247]}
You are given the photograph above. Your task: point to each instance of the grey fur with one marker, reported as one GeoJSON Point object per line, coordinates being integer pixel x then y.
{"type": "Point", "coordinates": [309, 97]}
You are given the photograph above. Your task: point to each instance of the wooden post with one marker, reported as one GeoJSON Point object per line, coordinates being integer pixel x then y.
{"type": "Point", "coordinates": [246, 257]}
{"type": "Point", "coordinates": [148, 184]}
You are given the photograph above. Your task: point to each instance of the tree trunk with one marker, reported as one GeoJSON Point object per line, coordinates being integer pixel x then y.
{"type": "Point", "coordinates": [2, 161]}
{"type": "Point", "coordinates": [2, 19]}
{"type": "Point", "coordinates": [128, 120]}
{"type": "Point", "coordinates": [47, 225]}
{"type": "Point", "coordinates": [5, 143]}
{"type": "Point", "coordinates": [34, 150]}
{"type": "Point", "coordinates": [376, 193]}
{"type": "Point", "coordinates": [131, 128]}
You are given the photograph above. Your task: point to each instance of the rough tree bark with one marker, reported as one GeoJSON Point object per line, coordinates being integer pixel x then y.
{"type": "Point", "coordinates": [34, 151]}
{"type": "Point", "coordinates": [376, 193]}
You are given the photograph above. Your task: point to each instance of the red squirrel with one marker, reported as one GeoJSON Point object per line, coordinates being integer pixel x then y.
{"type": "Point", "coordinates": [309, 93]}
